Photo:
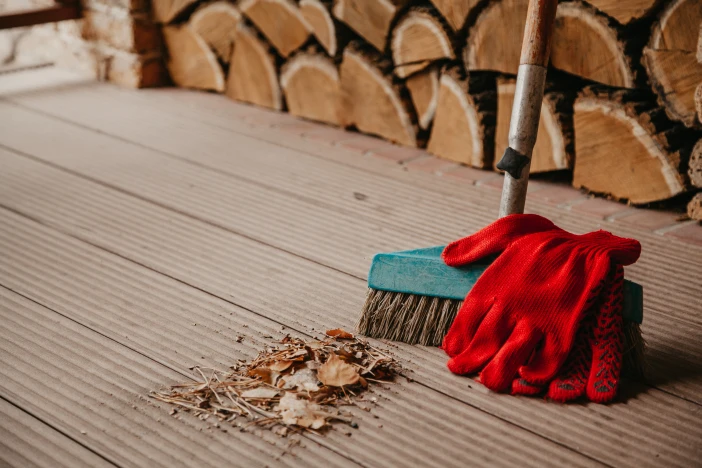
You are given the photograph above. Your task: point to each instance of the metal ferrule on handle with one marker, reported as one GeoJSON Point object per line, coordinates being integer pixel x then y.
{"type": "Point", "coordinates": [526, 111]}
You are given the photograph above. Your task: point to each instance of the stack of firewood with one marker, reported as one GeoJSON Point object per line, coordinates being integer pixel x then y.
{"type": "Point", "coordinates": [622, 111]}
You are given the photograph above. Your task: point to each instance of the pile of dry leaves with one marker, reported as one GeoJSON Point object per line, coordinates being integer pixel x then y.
{"type": "Point", "coordinates": [296, 384]}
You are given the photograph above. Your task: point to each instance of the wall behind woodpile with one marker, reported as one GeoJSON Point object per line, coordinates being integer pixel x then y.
{"type": "Point", "coordinates": [115, 41]}
{"type": "Point", "coordinates": [622, 109]}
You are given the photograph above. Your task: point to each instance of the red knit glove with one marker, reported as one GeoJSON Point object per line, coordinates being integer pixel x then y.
{"type": "Point", "coordinates": [594, 364]}
{"type": "Point", "coordinates": [523, 313]}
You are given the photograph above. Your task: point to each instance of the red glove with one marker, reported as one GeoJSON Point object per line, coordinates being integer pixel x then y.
{"type": "Point", "coordinates": [523, 313]}
{"type": "Point", "coordinates": [594, 364]}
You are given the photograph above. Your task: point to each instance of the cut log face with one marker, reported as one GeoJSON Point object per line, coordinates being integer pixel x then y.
{"type": "Point", "coordinates": [372, 102]}
{"type": "Point", "coordinates": [280, 21]}
{"type": "Point", "coordinates": [694, 208]}
{"type": "Point", "coordinates": [320, 21]}
{"type": "Point", "coordinates": [554, 148]}
{"type": "Point", "coordinates": [618, 156]}
{"type": "Point", "coordinates": [675, 75]}
{"type": "Point", "coordinates": [252, 71]}
{"type": "Point", "coordinates": [424, 90]}
{"type": "Point", "coordinates": [695, 165]}
{"type": "Point", "coordinates": [624, 11]}
{"type": "Point", "coordinates": [495, 40]}
{"type": "Point", "coordinates": [312, 88]}
{"type": "Point", "coordinates": [678, 27]}
{"type": "Point", "coordinates": [191, 62]}
{"type": "Point", "coordinates": [216, 23]}
{"type": "Point", "coordinates": [464, 122]}
{"type": "Point", "coordinates": [165, 11]}
{"type": "Point", "coordinates": [369, 18]}
{"type": "Point", "coordinates": [585, 44]}
{"type": "Point", "coordinates": [419, 37]}
{"type": "Point", "coordinates": [455, 11]}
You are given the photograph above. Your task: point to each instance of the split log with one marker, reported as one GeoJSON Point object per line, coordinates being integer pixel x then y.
{"type": "Point", "coordinates": [420, 37]}
{"type": "Point", "coordinates": [191, 62]}
{"type": "Point", "coordinates": [555, 147]}
{"type": "Point", "coordinates": [694, 208]}
{"type": "Point", "coordinates": [253, 74]}
{"type": "Point", "coordinates": [165, 11]}
{"type": "Point", "coordinates": [424, 90]}
{"type": "Point", "coordinates": [588, 44]}
{"type": "Point", "coordinates": [671, 60]}
{"type": "Point", "coordinates": [280, 21]}
{"type": "Point", "coordinates": [678, 26]}
{"type": "Point", "coordinates": [624, 11]}
{"type": "Point", "coordinates": [312, 88]}
{"type": "Point", "coordinates": [698, 102]}
{"type": "Point", "coordinates": [627, 148]}
{"type": "Point", "coordinates": [369, 18]}
{"type": "Point", "coordinates": [464, 122]}
{"type": "Point", "coordinates": [495, 40]}
{"type": "Point", "coordinates": [330, 33]}
{"type": "Point", "coordinates": [455, 11]}
{"type": "Point", "coordinates": [373, 101]}
{"type": "Point", "coordinates": [216, 23]}
{"type": "Point", "coordinates": [675, 76]}
{"type": "Point", "coordinates": [694, 170]}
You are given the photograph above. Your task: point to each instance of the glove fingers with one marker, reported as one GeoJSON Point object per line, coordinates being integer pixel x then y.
{"type": "Point", "coordinates": [464, 326]}
{"type": "Point", "coordinates": [608, 343]}
{"type": "Point", "coordinates": [502, 369]}
{"type": "Point", "coordinates": [545, 362]}
{"type": "Point", "coordinates": [488, 340]}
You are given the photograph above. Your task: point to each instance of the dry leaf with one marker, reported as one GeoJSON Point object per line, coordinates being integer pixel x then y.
{"type": "Point", "coordinates": [280, 366]}
{"type": "Point", "coordinates": [265, 374]}
{"type": "Point", "coordinates": [339, 333]}
{"type": "Point", "coordinates": [300, 412]}
{"type": "Point", "coordinates": [336, 373]}
{"type": "Point", "coordinates": [262, 393]}
{"type": "Point", "coordinates": [304, 379]}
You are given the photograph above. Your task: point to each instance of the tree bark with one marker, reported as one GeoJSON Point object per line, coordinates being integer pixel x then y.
{"type": "Point", "coordinates": [191, 63]}
{"type": "Point", "coordinates": [694, 208]}
{"type": "Point", "coordinates": [253, 75]}
{"type": "Point", "coordinates": [312, 88]}
{"type": "Point", "coordinates": [373, 101]}
{"type": "Point", "coordinates": [694, 170]}
{"type": "Point", "coordinates": [464, 122]}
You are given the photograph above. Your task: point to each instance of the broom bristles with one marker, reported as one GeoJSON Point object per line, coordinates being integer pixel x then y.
{"type": "Point", "coordinates": [424, 320]}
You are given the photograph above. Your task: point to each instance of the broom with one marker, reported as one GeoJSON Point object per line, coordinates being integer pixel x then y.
{"type": "Point", "coordinates": [414, 296]}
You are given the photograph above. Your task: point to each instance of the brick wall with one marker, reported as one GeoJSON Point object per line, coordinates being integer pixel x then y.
{"type": "Point", "coordinates": [115, 41]}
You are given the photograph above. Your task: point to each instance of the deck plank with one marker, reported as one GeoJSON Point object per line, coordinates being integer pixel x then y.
{"type": "Point", "coordinates": [308, 296]}
{"type": "Point", "coordinates": [26, 441]}
{"type": "Point", "coordinates": [95, 389]}
{"type": "Point", "coordinates": [250, 208]}
{"type": "Point", "coordinates": [180, 326]}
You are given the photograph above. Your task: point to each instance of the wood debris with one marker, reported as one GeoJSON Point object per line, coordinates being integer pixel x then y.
{"type": "Point", "coordinates": [294, 385]}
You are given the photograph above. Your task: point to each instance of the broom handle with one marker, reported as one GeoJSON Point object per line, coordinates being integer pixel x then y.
{"type": "Point", "coordinates": [526, 111]}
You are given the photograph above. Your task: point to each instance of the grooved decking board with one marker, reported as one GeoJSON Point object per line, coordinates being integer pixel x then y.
{"type": "Point", "coordinates": [402, 207]}
{"type": "Point", "coordinates": [308, 295]}
{"type": "Point", "coordinates": [96, 389]}
{"type": "Point", "coordinates": [26, 441]}
{"type": "Point", "coordinates": [335, 231]}
{"type": "Point", "coordinates": [157, 316]}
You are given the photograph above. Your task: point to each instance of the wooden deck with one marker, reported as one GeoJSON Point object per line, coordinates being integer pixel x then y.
{"type": "Point", "coordinates": [142, 232]}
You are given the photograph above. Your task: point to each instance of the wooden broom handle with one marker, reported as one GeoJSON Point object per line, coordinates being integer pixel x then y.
{"type": "Point", "coordinates": [526, 110]}
{"type": "Point", "coordinates": [536, 45]}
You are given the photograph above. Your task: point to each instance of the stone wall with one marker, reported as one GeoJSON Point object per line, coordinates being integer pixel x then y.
{"type": "Point", "coordinates": [115, 41]}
